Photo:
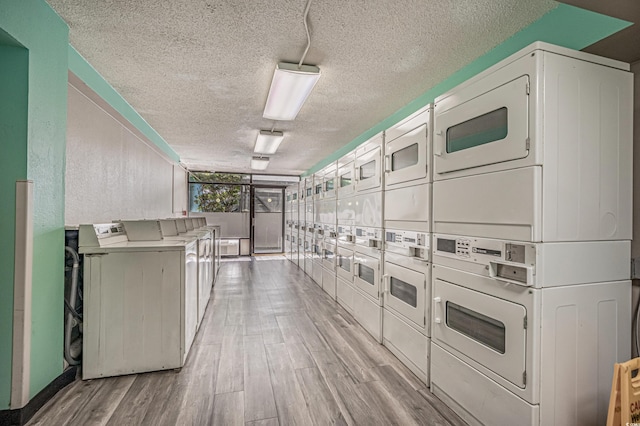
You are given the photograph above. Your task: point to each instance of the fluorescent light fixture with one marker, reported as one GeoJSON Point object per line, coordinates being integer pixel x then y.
{"type": "Point", "coordinates": [290, 87]}
{"type": "Point", "coordinates": [268, 142]}
{"type": "Point", "coordinates": [259, 163]}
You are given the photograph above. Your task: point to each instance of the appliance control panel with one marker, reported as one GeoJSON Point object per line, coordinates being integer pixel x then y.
{"type": "Point", "coordinates": [408, 243]}
{"type": "Point", "coordinates": [330, 231]}
{"type": "Point", "coordinates": [483, 250]}
{"type": "Point", "coordinates": [509, 261]}
{"type": "Point", "coordinates": [369, 237]}
{"type": "Point", "coordinates": [346, 233]}
{"type": "Point", "coordinates": [101, 234]}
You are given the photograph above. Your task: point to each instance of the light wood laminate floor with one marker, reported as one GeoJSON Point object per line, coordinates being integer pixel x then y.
{"type": "Point", "coordinates": [273, 349]}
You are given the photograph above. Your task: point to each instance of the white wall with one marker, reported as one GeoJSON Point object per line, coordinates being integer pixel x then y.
{"type": "Point", "coordinates": [112, 172]}
{"type": "Point", "coordinates": [232, 225]}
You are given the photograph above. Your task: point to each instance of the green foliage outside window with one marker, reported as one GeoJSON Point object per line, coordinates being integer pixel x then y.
{"type": "Point", "coordinates": [217, 192]}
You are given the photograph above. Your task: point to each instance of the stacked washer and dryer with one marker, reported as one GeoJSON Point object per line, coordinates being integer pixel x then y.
{"type": "Point", "coordinates": [531, 245]}
{"type": "Point", "coordinates": [502, 221]}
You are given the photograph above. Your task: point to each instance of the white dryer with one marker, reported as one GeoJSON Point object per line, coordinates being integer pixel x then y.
{"type": "Point", "coordinates": [329, 258]}
{"type": "Point", "coordinates": [407, 296]}
{"type": "Point", "coordinates": [537, 148]}
{"type": "Point", "coordinates": [537, 327]}
{"type": "Point", "coordinates": [345, 267]}
{"type": "Point", "coordinates": [408, 159]}
{"type": "Point", "coordinates": [367, 280]}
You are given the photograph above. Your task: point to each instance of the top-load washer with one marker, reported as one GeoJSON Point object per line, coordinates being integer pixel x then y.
{"type": "Point", "coordinates": [407, 183]}
{"type": "Point", "coordinates": [140, 301]}
{"type": "Point", "coordinates": [536, 148]}
{"type": "Point", "coordinates": [167, 229]}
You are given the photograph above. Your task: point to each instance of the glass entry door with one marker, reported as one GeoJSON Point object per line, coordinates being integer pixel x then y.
{"type": "Point", "coordinates": [267, 219]}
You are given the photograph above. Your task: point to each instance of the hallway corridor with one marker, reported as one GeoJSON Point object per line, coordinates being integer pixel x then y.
{"type": "Point", "coordinates": [273, 349]}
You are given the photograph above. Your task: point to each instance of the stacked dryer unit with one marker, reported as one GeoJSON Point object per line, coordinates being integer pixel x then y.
{"type": "Point", "coordinates": [345, 216]}
{"type": "Point", "coordinates": [295, 224]}
{"type": "Point", "coordinates": [531, 246]}
{"type": "Point", "coordinates": [318, 230]}
{"type": "Point", "coordinates": [368, 249]}
{"type": "Point", "coordinates": [327, 216]}
{"type": "Point", "coordinates": [309, 230]}
{"type": "Point", "coordinates": [407, 215]}
{"type": "Point", "coordinates": [288, 223]}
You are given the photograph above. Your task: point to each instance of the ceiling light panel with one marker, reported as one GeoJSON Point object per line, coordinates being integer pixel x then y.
{"type": "Point", "coordinates": [268, 142]}
{"type": "Point", "coordinates": [259, 163]}
{"type": "Point", "coordinates": [290, 87]}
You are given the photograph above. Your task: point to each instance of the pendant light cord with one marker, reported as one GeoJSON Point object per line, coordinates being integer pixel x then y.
{"type": "Point", "coordinates": [306, 28]}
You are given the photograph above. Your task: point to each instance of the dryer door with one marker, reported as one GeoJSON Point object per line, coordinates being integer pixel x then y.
{"type": "Point", "coordinates": [406, 157]}
{"type": "Point", "coordinates": [488, 129]}
{"type": "Point", "coordinates": [366, 274]}
{"type": "Point", "coordinates": [487, 329]}
{"type": "Point", "coordinates": [369, 170]}
{"type": "Point", "coordinates": [405, 292]}
{"type": "Point", "coordinates": [344, 264]}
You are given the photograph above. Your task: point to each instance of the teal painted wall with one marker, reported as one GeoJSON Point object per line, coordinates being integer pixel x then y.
{"type": "Point", "coordinates": [565, 26]}
{"type": "Point", "coordinates": [38, 151]}
{"type": "Point", "coordinates": [14, 87]}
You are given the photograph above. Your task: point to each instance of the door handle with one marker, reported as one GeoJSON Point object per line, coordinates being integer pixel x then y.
{"type": "Point", "coordinates": [387, 164]}
{"type": "Point", "coordinates": [437, 147]}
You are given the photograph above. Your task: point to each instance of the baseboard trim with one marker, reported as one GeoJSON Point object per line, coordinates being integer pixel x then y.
{"type": "Point", "coordinates": [22, 415]}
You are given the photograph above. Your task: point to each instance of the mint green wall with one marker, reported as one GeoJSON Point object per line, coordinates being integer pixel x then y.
{"type": "Point", "coordinates": [565, 25]}
{"type": "Point", "coordinates": [39, 151]}
{"type": "Point", "coordinates": [13, 166]}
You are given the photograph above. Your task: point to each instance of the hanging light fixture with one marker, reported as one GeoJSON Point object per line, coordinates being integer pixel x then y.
{"type": "Point", "coordinates": [259, 163]}
{"type": "Point", "coordinates": [290, 88]}
{"type": "Point", "coordinates": [268, 142]}
{"type": "Point", "coordinates": [291, 83]}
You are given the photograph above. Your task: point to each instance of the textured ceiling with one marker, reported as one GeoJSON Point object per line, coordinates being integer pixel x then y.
{"type": "Point", "coordinates": [199, 71]}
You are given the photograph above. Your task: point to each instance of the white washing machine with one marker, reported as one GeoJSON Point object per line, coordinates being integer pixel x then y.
{"type": "Point", "coordinates": [407, 297]}
{"type": "Point", "coordinates": [140, 301]}
{"type": "Point", "coordinates": [528, 333]}
{"type": "Point", "coordinates": [155, 230]}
